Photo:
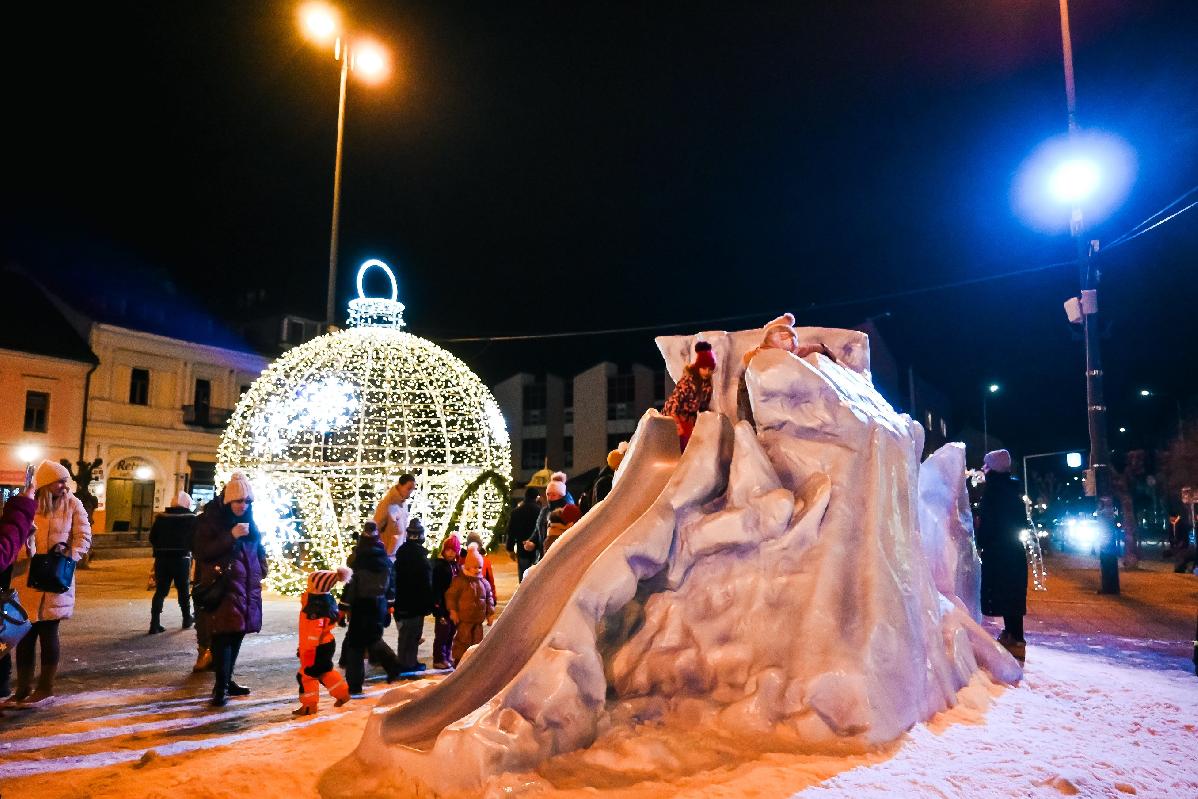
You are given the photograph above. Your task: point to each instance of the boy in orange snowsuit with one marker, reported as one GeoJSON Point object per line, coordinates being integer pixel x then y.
{"type": "Point", "coordinates": [316, 644]}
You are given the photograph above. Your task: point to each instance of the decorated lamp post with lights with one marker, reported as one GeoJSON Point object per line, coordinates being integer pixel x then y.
{"type": "Point", "coordinates": [333, 422]}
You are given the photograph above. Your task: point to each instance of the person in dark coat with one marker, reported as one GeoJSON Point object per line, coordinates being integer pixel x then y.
{"type": "Point", "coordinates": [15, 526]}
{"type": "Point", "coordinates": [522, 539]}
{"type": "Point", "coordinates": [444, 570]}
{"type": "Point", "coordinates": [367, 598]}
{"type": "Point", "coordinates": [413, 596]}
{"type": "Point", "coordinates": [227, 539]}
{"type": "Point", "coordinates": [1002, 520]}
{"type": "Point", "coordinates": [557, 496]}
{"type": "Point", "coordinates": [171, 536]}
{"type": "Point", "coordinates": [607, 476]}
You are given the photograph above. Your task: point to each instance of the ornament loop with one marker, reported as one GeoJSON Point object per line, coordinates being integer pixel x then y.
{"type": "Point", "coordinates": [390, 276]}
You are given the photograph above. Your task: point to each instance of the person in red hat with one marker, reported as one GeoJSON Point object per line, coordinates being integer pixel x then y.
{"type": "Point", "coordinates": [692, 394]}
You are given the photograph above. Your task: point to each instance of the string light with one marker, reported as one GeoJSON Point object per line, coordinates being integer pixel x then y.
{"type": "Point", "coordinates": [331, 424]}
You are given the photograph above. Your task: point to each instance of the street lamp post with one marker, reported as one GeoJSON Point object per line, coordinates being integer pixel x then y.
{"type": "Point", "coordinates": [364, 57]}
{"type": "Point", "coordinates": [993, 388]}
{"type": "Point", "coordinates": [1074, 182]}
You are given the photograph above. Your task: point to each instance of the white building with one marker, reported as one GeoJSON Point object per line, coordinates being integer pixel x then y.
{"type": "Point", "coordinates": [572, 423]}
{"type": "Point", "coordinates": [155, 411]}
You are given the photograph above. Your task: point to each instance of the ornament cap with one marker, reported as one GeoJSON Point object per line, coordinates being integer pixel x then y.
{"type": "Point", "coordinates": [376, 311]}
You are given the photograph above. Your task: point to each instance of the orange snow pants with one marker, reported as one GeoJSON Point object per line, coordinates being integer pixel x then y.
{"type": "Point", "coordinates": [321, 672]}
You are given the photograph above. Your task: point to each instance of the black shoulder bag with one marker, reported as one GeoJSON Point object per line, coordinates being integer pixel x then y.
{"type": "Point", "coordinates": [52, 572]}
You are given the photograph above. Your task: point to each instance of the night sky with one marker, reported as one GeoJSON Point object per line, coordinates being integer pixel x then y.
{"type": "Point", "coordinates": [555, 166]}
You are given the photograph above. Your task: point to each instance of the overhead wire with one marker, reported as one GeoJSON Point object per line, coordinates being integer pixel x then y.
{"type": "Point", "coordinates": [1145, 226]}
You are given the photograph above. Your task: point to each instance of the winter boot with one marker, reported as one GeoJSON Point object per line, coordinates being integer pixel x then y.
{"type": "Point", "coordinates": [219, 697]}
{"type": "Point", "coordinates": [203, 661]}
{"type": "Point", "coordinates": [24, 685]}
{"type": "Point", "coordinates": [45, 685]}
{"type": "Point", "coordinates": [237, 690]}
{"type": "Point", "coordinates": [304, 710]}
{"type": "Point", "coordinates": [185, 609]}
{"type": "Point", "coordinates": [155, 623]}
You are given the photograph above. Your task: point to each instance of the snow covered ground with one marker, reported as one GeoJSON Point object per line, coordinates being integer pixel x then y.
{"type": "Point", "coordinates": [1108, 708]}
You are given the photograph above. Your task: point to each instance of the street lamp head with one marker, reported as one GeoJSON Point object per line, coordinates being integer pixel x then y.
{"type": "Point", "coordinates": [993, 388]}
{"type": "Point", "coordinates": [1074, 181]}
{"type": "Point", "coordinates": [1090, 171]}
{"type": "Point", "coordinates": [320, 22]}
{"type": "Point", "coordinates": [1122, 429]}
{"type": "Point", "coordinates": [28, 453]}
{"type": "Point", "coordinates": [1073, 460]}
{"type": "Point", "coordinates": [1145, 392]}
{"type": "Point", "coordinates": [369, 61]}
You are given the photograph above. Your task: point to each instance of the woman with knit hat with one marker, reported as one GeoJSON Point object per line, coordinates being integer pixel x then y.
{"type": "Point", "coordinates": [227, 542]}
{"type": "Point", "coordinates": [692, 393]}
{"type": "Point", "coordinates": [60, 522]}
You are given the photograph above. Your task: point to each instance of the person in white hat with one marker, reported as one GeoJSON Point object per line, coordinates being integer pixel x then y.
{"type": "Point", "coordinates": [171, 536]}
{"type": "Point", "coordinates": [61, 524]}
{"type": "Point", "coordinates": [229, 547]}
{"type": "Point", "coordinates": [1002, 519]}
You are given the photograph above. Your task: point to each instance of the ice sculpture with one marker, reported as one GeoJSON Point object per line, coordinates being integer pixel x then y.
{"type": "Point", "coordinates": [770, 588]}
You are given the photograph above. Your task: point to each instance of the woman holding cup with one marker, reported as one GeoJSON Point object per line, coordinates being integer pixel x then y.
{"type": "Point", "coordinates": [228, 548]}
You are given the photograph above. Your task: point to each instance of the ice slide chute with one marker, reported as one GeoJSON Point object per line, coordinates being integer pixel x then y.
{"type": "Point", "coordinates": [547, 587]}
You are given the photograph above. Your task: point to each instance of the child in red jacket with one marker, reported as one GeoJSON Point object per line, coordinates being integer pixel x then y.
{"type": "Point", "coordinates": [316, 644]}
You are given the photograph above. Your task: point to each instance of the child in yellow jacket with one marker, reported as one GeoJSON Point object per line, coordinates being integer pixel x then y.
{"type": "Point", "coordinates": [316, 644]}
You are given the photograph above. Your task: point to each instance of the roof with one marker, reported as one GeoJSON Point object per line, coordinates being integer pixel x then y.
{"type": "Point", "coordinates": [32, 323]}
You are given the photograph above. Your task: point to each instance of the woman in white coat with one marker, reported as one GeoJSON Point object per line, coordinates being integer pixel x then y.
{"type": "Point", "coordinates": [60, 519]}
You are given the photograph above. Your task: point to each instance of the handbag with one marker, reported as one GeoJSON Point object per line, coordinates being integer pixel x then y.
{"type": "Point", "coordinates": [14, 621]}
{"type": "Point", "coordinates": [209, 592]}
{"type": "Point", "coordinates": [52, 572]}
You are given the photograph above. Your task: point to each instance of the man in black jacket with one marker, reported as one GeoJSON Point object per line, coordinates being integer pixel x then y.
{"type": "Point", "coordinates": [413, 595]}
{"type": "Point", "coordinates": [171, 536]}
{"type": "Point", "coordinates": [522, 539]}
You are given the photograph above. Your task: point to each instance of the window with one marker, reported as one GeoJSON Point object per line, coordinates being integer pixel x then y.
{"type": "Point", "coordinates": [534, 402]}
{"type": "Point", "coordinates": [139, 387]}
{"type": "Point", "coordinates": [621, 396]}
{"type": "Point", "coordinates": [568, 402]}
{"type": "Point", "coordinates": [568, 452]}
{"type": "Point", "coordinates": [37, 411]}
{"type": "Point", "coordinates": [532, 453]}
{"type": "Point", "coordinates": [659, 388]}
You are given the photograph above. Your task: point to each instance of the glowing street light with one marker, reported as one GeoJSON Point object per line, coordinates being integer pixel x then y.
{"type": "Point", "coordinates": [29, 453]}
{"type": "Point", "coordinates": [368, 60]}
{"type": "Point", "coordinates": [1074, 181]}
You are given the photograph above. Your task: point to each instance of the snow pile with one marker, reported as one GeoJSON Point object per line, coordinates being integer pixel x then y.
{"type": "Point", "coordinates": [946, 526]}
{"type": "Point", "coordinates": [776, 593]}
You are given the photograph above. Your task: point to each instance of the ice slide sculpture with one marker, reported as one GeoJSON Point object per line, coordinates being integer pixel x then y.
{"type": "Point", "coordinates": [770, 587]}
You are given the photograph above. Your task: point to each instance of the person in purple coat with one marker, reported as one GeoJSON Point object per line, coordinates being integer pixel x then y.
{"type": "Point", "coordinates": [228, 539]}
{"type": "Point", "coordinates": [15, 526]}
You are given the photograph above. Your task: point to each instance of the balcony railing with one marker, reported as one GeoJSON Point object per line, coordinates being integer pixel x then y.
{"type": "Point", "coordinates": [206, 416]}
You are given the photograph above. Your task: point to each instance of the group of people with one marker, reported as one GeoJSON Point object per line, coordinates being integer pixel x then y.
{"type": "Point", "coordinates": [44, 518]}
{"type": "Point", "coordinates": [388, 575]}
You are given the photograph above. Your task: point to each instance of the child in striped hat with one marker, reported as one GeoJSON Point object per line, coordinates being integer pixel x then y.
{"type": "Point", "coordinates": [316, 643]}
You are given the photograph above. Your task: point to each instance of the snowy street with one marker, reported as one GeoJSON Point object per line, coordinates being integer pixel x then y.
{"type": "Point", "coordinates": [1107, 708]}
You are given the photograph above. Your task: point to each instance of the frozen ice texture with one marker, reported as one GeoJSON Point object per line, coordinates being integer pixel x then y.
{"type": "Point", "coordinates": [771, 587]}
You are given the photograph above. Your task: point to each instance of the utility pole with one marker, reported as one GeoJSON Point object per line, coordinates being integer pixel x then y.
{"type": "Point", "coordinates": [1098, 477]}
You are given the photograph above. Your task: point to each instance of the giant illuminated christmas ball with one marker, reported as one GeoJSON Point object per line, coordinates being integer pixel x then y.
{"type": "Point", "coordinates": [332, 423]}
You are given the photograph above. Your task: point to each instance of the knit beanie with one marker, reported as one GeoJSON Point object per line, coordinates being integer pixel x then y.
{"type": "Point", "coordinates": [475, 539]}
{"type": "Point", "coordinates": [557, 487]}
{"type": "Point", "coordinates": [321, 582]}
{"type": "Point", "coordinates": [473, 556]}
{"type": "Point", "coordinates": [704, 357]}
{"type": "Point", "coordinates": [237, 488]}
{"type": "Point", "coordinates": [183, 500]}
{"type": "Point", "coordinates": [997, 461]}
{"type": "Point", "coordinates": [415, 528]}
{"type": "Point", "coordinates": [49, 472]}
{"type": "Point", "coordinates": [453, 543]}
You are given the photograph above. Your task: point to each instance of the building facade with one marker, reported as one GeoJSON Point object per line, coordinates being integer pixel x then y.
{"type": "Point", "coordinates": [155, 412]}
{"type": "Point", "coordinates": [571, 423]}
